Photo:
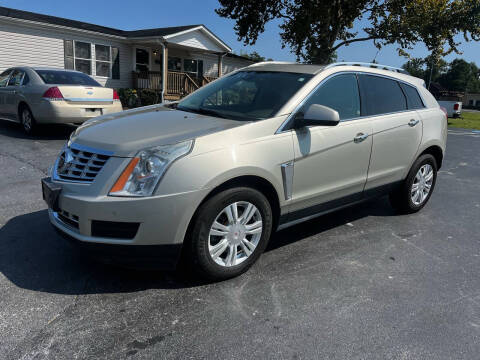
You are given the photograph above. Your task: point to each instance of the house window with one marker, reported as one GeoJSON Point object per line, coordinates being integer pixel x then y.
{"type": "Point", "coordinates": [190, 65]}
{"type": "Point", "coordinates": [83, 57]}
{"type": "Point", "coordinates": [79, 56]}
{"type": "Point", "coordinates": [142, 62]}
{"type": "Point", "coordinates": [103, 60]}
{"type": "Point", "coordinates": [174, 64]}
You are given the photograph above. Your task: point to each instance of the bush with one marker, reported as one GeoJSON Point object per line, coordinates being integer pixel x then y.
{"type": "Point", "coordinates": [132, 98]}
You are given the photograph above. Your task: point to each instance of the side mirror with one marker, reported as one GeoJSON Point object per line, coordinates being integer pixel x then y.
{"type": "Point", "coordinates": [317, 115]}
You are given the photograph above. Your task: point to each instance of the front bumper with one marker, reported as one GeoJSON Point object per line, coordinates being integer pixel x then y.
{"type": "Point", "coordinates": [161, 222]}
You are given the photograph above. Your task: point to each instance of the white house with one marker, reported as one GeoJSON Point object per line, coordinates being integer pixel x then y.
{"type": "Point", "coordinates": [173, 60]}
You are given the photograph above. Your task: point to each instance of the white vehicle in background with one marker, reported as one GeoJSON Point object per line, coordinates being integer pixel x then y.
{"type": "Point", "coordinates": [454, 108]}
{"type": "Point", "coordinates": [35, 96]}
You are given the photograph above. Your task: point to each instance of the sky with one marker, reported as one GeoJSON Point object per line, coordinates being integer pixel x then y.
{"type": "Point", "coordinates": [142, 14]}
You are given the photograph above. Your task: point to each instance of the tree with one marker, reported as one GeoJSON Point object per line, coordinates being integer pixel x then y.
{"type": "Point", "coordinates": [415, 67]}
{"type": "Point", "coordinates": [254, 56]}
{"type": "Point", "coordinates": [461, 76]}
{"type": "Point", "coordinates": [315, 29]}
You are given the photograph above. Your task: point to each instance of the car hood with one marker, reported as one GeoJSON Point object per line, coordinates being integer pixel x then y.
{"type": "Point", "coordinates": [127, 132]}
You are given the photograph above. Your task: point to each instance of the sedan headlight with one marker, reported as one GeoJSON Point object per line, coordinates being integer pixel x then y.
{"type": "Point", "coordinates": [143, 173]}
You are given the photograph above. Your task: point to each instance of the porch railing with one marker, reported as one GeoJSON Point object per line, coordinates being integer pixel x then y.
{"type": "Point", "coordinates": [179, 84]}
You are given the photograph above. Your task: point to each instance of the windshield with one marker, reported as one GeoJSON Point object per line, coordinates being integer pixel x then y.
{"type": "Point", "coordinates": [66, 78]}
{"type": "Point", "coordinates": [245, 95]}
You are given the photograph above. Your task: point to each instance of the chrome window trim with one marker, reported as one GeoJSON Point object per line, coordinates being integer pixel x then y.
{"type": "Point", "coordinates": [281, 129]}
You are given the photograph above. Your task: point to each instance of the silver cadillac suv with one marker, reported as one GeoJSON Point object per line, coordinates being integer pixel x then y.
{"type": "Point", "coordinates": [265, 147]}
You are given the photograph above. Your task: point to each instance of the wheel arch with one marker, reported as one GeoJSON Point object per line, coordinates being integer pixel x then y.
{"type": "Point", "coordinates": [437, 152]}
{"type": "Point", "coordinates": [21, 105]}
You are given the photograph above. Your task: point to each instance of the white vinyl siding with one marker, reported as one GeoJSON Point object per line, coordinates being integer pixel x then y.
{"type": "Point", "coordinates": [22, 45]}
{"type": "Point", "coordinates": [210, 64]}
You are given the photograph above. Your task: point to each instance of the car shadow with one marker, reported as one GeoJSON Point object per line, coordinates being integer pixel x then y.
{"type": "Point", "coordinates": [34, 257]}
{"type": "Point", "coordinates": [43, 132]}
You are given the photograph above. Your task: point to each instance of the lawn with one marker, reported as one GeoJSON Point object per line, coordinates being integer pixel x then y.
{"type": "Point", "coordinates": [468, 120]}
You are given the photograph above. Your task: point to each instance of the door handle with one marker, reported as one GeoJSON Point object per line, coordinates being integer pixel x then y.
{"type": "Point", "coordinates": [413, 122]}
{"type": "Point", "coordinates": [360, 137]}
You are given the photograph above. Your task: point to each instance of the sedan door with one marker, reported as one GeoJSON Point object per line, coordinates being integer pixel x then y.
{"type": "Point", "coordinates": [397, 130]}
{"type": "Point", "coordinates": [331, 162]}
{"type": "Point", "coordinates": [4, 76]}
{"type": "Point", "coordinates": [11, 94]}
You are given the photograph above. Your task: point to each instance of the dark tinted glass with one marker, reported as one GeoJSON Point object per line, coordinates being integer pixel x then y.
{"type": "Point", "coordinates": [4, 77]}
{"type": "Point", "coordinates": [413, 99]}
{"type": "Point", "coordinates": [66, 78]}
{"type": "Point", "coordinates": [339, 93]}
{"type": "Point", "coordinates": [26, 79]}
{"type": "Point", "coordinates": [381, 95]}
{"type": "Point", "coordinates": [245, 95]}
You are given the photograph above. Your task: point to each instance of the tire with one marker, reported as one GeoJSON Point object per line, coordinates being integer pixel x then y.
{"type": "Point", "coordinates": [29, 125]}
{"type": "Point", "coordinates": [404, 199]}
{"type": "Point", "coordinates": [206, 241]}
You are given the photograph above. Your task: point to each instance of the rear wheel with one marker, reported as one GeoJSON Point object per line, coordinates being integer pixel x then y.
{"type": "Point", "coordinates": [417, 188]}
{"type": "Point", "coordinates": [27, 120]}
{"type": "Point", "coordinates": [230, 232]}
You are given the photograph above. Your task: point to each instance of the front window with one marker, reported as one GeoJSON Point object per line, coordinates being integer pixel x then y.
{"type": "Point", "coordinates": [58, 77]}
{"type": "Point", "coordinates": [83, 57]}
{"type": "Point", "coordinates": [245, 95]}
{"type": "Point", "coordinates": [4, 77]}
{"type": "Point", "coordinates": [103, 60]}
{"type": "Point", "coordinates": [174, 64]}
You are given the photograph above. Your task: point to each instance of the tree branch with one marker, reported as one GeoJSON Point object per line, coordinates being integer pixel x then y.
{"type": "Point", "coordinates": [346, 42]}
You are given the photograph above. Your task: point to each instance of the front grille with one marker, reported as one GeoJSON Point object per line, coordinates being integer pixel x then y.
{"type": "Point", "coordinates": [79, 165]}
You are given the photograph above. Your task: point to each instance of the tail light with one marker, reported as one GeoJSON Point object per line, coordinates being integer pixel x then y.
{"type": "Point", "coordinates": [53, 94]}
{"type": "Point", "coordinates": [444, 111]}
{"type": "Point", "coordinates": [456, 106]}
{"type": "Point", "coordinates": [115, 96]}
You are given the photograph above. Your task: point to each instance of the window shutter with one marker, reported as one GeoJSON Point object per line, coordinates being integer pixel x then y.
{"type": "Point", "coordinates": [115, 63]}
{"type": "Point", "coordinates": [68, 51]}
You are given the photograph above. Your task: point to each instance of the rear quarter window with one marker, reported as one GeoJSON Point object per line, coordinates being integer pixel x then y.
{"type": "Point", "coordinates": [66, 78]}
{"type": "Point", "coordinates": [381, 95]}
{"type": "Point", "coordinates": [414, 101]}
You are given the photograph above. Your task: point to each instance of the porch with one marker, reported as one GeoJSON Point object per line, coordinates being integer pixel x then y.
{"type": "Point", "coordinates": [179, 63]}
{"type": "Point", "coordinates": [178, 83]}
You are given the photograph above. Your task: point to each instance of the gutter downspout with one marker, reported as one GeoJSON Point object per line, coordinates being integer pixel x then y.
{"type": "Point", "coordinates": [162, 43]}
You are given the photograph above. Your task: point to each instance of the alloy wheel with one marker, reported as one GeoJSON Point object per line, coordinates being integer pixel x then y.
{"type": "Point", "coordinates": [27, 120]}
{"type": "Point", "coordinates": [422, 184]}
{"type": "Point", "coordinates": [235, 233]}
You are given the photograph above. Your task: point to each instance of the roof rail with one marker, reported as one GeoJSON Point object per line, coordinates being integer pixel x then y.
{"type": "Point", "coordinates": [369, 65]}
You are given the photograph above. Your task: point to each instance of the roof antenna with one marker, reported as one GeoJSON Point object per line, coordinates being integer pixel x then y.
{"type": "Point", "coordinates": [375, 57]}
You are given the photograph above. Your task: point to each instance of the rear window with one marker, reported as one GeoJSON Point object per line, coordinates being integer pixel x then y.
{"type": "Point", "coordinates": [66, 78]}
{"type": "Point", "coordinates": [413, 99]}
{"type": "Point", "coordinates": [381, 95]}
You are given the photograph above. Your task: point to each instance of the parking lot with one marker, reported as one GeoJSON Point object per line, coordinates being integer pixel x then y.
{"type": "Point", "coordinates": [361, 283]}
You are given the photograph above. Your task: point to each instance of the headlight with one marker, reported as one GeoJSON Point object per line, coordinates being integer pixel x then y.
{"type": "Point", "coordinates": [143, 173]}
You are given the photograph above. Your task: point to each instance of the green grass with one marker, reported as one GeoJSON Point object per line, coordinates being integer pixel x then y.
{"type": "Point", "coordinates": [468, 120]}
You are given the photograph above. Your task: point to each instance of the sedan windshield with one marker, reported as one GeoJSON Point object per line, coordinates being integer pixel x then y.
{"type": "Point", "coordinates": [245, 95]}
{"type": "Point", "coordinates": [66, 78]}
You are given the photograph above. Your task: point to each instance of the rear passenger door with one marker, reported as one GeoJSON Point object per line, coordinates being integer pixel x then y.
{"type": "Point", "coordinates": [397, 129]}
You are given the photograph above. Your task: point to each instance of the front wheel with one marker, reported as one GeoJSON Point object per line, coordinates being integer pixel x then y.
{"type": "Point", "coordinates": [230, 232]}
{"type": "Point", "coordinates": [417, 188]}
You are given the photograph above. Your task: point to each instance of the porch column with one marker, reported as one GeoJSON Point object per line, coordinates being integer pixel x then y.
{"type": "Point", "coordinates": [164, 70]}
{"type": "Point", "coordinates": [220, 64]}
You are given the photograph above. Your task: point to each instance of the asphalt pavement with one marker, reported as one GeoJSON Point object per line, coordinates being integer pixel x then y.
{"type": "Point", "coordinates": [361, 283]}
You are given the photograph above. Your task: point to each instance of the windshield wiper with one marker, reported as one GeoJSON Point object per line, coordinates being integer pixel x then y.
{"type": "Point", "coordinates": [202, 111]}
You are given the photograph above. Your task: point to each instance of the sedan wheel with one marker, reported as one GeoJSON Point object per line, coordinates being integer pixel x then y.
{"type": "Point", "coordinates": [28, 122]}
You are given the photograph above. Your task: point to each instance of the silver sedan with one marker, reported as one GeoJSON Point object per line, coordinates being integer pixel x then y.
{"type": "Point", "coordinates": [33, 96]}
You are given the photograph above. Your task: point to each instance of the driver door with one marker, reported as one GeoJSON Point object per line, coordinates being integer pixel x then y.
{"type": "Point", "coordinates": [331, 162]}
